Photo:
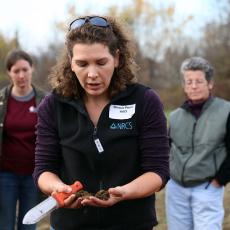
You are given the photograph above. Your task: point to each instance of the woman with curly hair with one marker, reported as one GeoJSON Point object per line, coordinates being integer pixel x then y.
{"type": "Point", "coordinates": [102, 128]}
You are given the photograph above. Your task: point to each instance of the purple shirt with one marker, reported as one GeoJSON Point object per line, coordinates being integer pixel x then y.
{"type": "Point", "coordinates": [153, 138]}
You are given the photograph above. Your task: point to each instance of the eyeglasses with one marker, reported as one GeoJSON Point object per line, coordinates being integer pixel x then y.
{"type": "Point", "coordinates": [196, 82]}
{"type": "Point", "coordinates": [94, 20]}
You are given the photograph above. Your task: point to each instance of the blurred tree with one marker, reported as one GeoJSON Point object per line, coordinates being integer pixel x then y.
{"type": "Point", "coordinates": [6, 45]}
{"type": "Point", "coordinates": [155, 28]}
{"type": "Point", "coordinates": [158, 37]}
{"type": "Point", "coordinates": [215, 45]}
{"type": "Point", "coordinates": [46, 59]}
{"type": "Point", "coordinates": [44, 63]}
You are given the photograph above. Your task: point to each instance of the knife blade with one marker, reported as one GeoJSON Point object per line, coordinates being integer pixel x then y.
{"type": "Point", "coordinates": [50, 204]}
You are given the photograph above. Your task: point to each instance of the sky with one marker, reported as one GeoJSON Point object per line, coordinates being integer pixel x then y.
{"type": "Point", "coordinates": [34, 20]}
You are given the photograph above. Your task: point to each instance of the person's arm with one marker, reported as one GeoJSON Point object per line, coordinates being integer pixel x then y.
{"type": "Point", "coordinates": [143, 186]}
{"type": "Point", "coordinates": [47, 152]}
{"type": "Point", "coordinates": [223, 175]}
{"type": "Point", "coordinates": [49, 182]}
{"type": "Point", "coordinates": [154, 141]}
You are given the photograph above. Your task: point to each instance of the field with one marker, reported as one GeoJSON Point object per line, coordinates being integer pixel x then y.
{"type": "Point", "coordinates": [44, 225]}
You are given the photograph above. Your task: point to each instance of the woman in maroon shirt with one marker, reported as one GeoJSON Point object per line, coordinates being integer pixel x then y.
{"type": "Point", "coordinates": [18, 118]}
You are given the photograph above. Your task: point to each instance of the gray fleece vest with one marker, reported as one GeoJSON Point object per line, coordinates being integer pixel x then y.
{"type": "Point", "coordinates": [198, 146]}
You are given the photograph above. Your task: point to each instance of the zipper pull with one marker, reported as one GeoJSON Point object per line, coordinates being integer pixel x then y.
{"type": "Point", "coordinates": [98, 145]}
{"type": "Point", "coordinates": [97, 142]}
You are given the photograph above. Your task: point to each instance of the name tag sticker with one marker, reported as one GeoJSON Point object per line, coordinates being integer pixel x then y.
{"type": "Point", "coordinates": [121, 112]}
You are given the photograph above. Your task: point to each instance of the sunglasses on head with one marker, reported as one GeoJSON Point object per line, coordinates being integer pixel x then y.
{"type": "Point", "coordinates": [94, 20]}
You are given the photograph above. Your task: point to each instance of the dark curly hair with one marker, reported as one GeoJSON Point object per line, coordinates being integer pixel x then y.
{"type": "Point", "coordinates": [64, 81]}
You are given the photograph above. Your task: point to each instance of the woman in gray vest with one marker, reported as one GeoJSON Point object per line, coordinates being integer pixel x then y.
{"type": "Point", "coordinates": [199, 155]}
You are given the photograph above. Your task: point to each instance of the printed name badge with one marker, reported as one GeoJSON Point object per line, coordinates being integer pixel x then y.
{"type": "Point", "coordinates": [121, 111]}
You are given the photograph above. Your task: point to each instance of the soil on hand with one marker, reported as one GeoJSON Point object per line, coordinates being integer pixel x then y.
{"type": "Point", "coordinates": [83, 194]}
{"type": "Point", "coordinates": [101, 194]}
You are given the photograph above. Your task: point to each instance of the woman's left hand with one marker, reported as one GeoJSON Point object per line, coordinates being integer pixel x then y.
{"type": "Point", "coordinates": [143, 186]}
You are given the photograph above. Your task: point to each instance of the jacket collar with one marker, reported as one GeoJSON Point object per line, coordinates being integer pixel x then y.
{"type": "Point", "coordinates": [187, 104]}
{"type": "Point", "coordinates": [78, 102]}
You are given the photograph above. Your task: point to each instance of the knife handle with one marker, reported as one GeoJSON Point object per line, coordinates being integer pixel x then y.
{"type": "Point", "coordinates": [61, 196]}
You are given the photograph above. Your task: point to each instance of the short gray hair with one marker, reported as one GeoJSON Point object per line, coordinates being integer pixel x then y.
{"type": "Point", "coordinates": [198, 63]}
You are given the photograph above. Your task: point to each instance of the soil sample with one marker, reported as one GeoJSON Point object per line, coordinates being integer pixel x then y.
{"type": "Point", "coordinates": [83, 194]}
{"type": "Point", "coordinates": [101, 194]}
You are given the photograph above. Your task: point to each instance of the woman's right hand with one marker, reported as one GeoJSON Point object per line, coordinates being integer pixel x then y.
{"type": "Point", "coordinates": [70, 201]}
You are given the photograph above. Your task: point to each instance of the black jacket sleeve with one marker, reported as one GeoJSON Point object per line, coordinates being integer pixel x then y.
{"type": "Point", "coordinates": [223, 175]}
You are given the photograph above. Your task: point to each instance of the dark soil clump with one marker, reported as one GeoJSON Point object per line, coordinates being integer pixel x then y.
{"type": "Point", "coordinates": [101, 194]}
{"type": "Point", "coordinates": [83, 194]}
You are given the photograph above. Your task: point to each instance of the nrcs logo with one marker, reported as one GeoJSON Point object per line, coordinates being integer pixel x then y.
{"type": "Point", "coordinates": [121, 125]}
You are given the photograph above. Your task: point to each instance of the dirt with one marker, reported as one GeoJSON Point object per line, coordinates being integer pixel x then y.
{"type": "Point", "coordinates": [44, 224]}
{"type": "Point", "coordinates": [101, 194]}
{"type": "Point", "coordinates": [82, 194]}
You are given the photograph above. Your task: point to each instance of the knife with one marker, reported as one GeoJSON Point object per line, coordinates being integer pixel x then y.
{"type": "Point", "coordinates": [50, 204]}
